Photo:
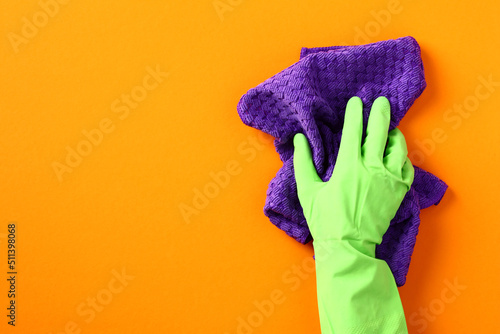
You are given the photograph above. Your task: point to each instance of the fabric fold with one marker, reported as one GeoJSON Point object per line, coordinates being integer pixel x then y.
{"type": "Point", "coordinates": [310, 97]}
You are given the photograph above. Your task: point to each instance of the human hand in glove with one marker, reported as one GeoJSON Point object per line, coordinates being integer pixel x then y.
{"type": "Point", "coordinates": [348, 216]}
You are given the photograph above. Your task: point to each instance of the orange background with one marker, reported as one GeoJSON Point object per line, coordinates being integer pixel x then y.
{"type": "Point", "coordinates": [120, 208]}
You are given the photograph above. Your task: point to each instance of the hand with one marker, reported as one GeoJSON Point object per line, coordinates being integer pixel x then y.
{"type": "Point", "coordinates": [368, 183]}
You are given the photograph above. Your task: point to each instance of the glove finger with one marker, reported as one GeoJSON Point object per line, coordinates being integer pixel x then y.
{"type": "Point", "coordinates": [376, 131]}
{"type": "Point", "coordinates": [408, 173]}
{"type": "Point", "coordinates": [305, 172]}
{"type": "Point", "coordinates": [395, 152]}
{"type": "Point", "coordinates": [352, 131]}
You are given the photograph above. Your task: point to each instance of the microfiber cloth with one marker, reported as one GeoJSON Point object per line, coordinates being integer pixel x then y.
{"type": "Point", "coordinates": [310, 96]}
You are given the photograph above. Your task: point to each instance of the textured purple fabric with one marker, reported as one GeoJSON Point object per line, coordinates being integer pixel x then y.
{"type": "Point", "coordinates": [310, 97]}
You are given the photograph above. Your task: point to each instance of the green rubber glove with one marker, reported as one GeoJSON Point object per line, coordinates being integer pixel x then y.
{"type": "Point", "coordinates": [348, 216]}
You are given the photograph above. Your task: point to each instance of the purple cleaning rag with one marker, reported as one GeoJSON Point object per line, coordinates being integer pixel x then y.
{"type": "Point", "coordinates": [310, 97]}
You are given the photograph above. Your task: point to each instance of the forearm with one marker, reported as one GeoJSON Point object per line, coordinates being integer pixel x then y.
{"type": "Point", "coordinates": [356, 292]}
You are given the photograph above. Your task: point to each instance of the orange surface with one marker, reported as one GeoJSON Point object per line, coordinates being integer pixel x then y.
{"type": "Point", "coordinates": [102, 245]}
